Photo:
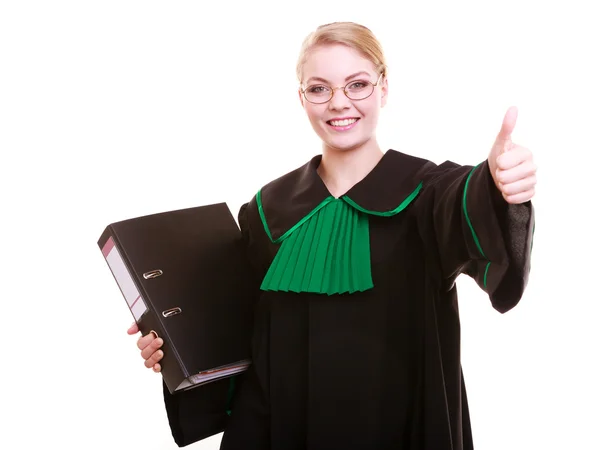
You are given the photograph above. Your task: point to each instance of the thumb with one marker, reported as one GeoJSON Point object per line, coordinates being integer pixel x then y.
{"type": "Point", "coordinates": [133, 328]}
{"type": "Point", "coordinates": [508, 125]}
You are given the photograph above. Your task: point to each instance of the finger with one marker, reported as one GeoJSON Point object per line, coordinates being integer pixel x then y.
{"type": "Point", "coordinates": [520, 198]}
{"type": "Point", "coordinates": [508, 125]}
{"type": "Point", "coordinates": [144, 341]}
{"type": "Point", "coordinates": [520, 172]}
{"type": "Point", "coordinates": [513, 158]}
{"type": "Point", "coordinates": [153, 359]}
{"type": "Point", "coordinates": [133, 329]}
{"type": "Point", "coordinates": [519, 186]}
{"type": "Point", "coordinates": [156, 368]}
{"type": "Point", "coordinates": [152, 347]}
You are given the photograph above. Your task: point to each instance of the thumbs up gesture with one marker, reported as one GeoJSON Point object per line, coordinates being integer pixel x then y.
{"type": "Point", "coordinates": [511, 165]}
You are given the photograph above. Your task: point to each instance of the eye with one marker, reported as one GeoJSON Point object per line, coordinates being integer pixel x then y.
{"type": "Point", "coordinates": [357, 85]}
{"type": "Point", "coordinates": [317, 89]}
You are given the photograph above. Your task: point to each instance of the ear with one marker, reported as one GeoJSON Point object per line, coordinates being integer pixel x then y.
{"type": "Point", "coordinates": [384, 91]}
{"type": "Point", "coordinates": [301, 97]}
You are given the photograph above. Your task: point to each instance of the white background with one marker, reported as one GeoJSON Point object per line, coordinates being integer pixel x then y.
{"type": "Point", "coordinates": [115, 109]}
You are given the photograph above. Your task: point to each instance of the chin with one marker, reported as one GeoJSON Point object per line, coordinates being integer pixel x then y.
{"type": "Point", "coordinates": [342, 148]}
{"type": "Point", "coordinates": [345, 145]}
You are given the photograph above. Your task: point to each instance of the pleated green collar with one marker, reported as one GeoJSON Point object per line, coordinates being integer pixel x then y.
{"type": "Point", "coordinates": [285, 203]}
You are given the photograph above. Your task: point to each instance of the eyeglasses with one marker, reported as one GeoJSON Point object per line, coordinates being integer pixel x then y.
{"type": "Point", "coordinates": [354, 90]}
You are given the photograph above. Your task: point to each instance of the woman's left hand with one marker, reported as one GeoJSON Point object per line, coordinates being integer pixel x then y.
{"type": "Point", "coordinates": [511, 165]}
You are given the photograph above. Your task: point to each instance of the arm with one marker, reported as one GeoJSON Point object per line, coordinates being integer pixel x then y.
{"type": "Point", "coordinates": [198, 413]}
{"type": "Point", "coordinates": [479, 220]}
{"type": "Point", "coordinates": [203, 411]}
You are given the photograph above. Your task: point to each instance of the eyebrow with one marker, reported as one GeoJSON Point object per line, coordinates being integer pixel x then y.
{"type": "Point", "coordinates": [348, 78]}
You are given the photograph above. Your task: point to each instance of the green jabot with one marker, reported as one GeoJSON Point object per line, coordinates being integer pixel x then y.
{"type": "Point", "coordinates": [328, 253]}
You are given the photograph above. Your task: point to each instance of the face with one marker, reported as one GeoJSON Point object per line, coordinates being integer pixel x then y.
{"type": "Point", "coordinates": [342, 123]}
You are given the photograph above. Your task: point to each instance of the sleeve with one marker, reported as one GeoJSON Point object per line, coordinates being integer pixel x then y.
{"type": "Point", "coordinates": [197, 413]}
{"type": "Point", "coordinates": [469, 228]}
{"type": "Point", "coordinates": [203, 411]}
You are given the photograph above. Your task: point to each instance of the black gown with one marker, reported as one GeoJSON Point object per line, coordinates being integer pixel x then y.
{"type": "Point", "coordinates": [371, 364]}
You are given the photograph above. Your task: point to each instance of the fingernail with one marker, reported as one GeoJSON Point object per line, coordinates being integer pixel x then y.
{"type": "Point", "coordinates": [159, 341]}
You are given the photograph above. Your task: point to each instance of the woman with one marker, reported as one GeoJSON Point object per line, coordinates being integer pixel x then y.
{"type": "Point", "coordinates": [356, 337]}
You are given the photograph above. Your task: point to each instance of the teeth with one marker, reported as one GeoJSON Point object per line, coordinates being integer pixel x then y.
{"type": "Point", "coordinates": [342, 123]}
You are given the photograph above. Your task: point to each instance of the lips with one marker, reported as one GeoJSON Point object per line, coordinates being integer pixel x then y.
{"type": "Point", "coordinates": [343, 124]}
{"type": "Point", "coordinates": [342, 121]}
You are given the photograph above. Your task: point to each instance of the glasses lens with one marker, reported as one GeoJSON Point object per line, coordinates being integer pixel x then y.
{"type": "Point", "coordinates": [359, 89]}
{"type": "Point", "coordinates": [317, 93]}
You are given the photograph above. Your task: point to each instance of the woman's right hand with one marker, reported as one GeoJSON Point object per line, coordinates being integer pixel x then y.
{"type": "Point", "coordinates": [150, 348]}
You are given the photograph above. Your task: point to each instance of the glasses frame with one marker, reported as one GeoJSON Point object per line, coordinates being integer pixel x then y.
{"type": "Point", "coordinates": [333, 89]}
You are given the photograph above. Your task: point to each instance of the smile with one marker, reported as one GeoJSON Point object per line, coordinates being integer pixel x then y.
{"type": "Point", "coordinates": [342, 124]}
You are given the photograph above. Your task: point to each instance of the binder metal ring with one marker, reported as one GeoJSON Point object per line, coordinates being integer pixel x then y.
{"type": "Point", "coordinates": [171, 312]}
{"type": "Point", "coordinates": [153, 274]}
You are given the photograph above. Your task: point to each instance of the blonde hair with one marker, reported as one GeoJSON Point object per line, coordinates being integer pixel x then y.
{"type": "Point", "coordinates": [351, 34]}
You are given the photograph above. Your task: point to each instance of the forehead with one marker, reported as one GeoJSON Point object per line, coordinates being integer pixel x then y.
{"type": "Point", "coordinates": [335, 62]}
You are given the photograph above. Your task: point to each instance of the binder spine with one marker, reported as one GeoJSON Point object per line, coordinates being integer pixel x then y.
{"type": "Point", "coordinates": [150, 318]}
{"type": "Point", "coordinates": [115, 259]}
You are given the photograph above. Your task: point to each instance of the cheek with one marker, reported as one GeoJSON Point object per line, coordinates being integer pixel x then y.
{"type": "Point", "coordinates": [370, 111]}
{"type": "Point", "coordinates": [314, 114]}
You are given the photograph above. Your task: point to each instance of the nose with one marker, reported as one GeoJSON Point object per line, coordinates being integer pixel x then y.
{"type": "Point", "coordinates": [339, 100]}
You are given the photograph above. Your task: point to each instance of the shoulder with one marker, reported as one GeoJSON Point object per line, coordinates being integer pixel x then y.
{"type": "Point", "coordinates": [303, 179]}
{"type": "Point", "coordinates": [282, 202]}
{"type": "Point", "coordinates": [422, 169]}
{"type": "Point", "coordinates": [392, 184]}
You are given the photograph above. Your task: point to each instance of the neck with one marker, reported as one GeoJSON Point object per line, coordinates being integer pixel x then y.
{"type": "Point", "coordinates": [342, 169]}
